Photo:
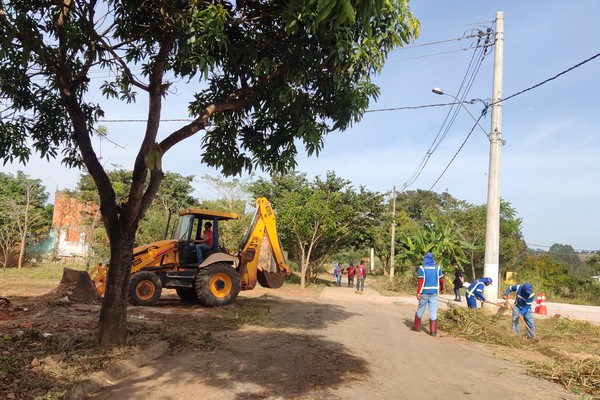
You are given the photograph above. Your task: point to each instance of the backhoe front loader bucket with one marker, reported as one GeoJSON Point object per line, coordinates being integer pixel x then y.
{"type": "Point", "coordinates": [85, 290]}
{"type": "Point", "coordinates": [272, 280]}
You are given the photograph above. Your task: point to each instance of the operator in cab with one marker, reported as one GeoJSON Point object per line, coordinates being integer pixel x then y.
{"type": "Point", "coordinates": [206, 243]}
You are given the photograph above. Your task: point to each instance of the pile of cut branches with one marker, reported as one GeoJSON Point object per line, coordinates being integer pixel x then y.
{"type": "Point", "coordinates": [571, 349]}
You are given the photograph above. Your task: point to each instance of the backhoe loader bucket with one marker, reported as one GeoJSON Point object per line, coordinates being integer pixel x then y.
{"type": "Point", "coordinates": [85, 290]}
{"type": "Point", "coordinates": [272, 280]}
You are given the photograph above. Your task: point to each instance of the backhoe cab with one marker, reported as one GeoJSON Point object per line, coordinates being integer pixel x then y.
{"type": "Point", "coordinates": [217, 279]}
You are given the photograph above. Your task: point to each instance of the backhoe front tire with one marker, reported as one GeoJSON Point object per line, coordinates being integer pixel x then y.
{"type": "Point", "coordinates": [217, 285]}
{"type": "Point", "coordinates": [144, 289]}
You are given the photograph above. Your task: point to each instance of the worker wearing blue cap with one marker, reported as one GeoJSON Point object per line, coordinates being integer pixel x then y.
{"type": "Point", "coordinates": [522, 307]}
{"type": "Point", "coordinates": [475, 291]}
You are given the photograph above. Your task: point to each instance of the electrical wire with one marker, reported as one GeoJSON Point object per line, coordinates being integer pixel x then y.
{"type": "Point", "coordinates": [425, 193]}
{"type": "Point", "coordinates": [437, 42]}
{"type": "Point", "coordinates": [458, 151]}
{"type": "Point", "coordinates": [409, 107]}
{"type": "Point", "coordinates": [466, 84]}
{"type": "Point", "coordinates": [542, 245]}
{"type": "Point", "coordinates": [429, 55]}
{"type": "Point", "coordinates": [548, 80]}
{"type": "Point", "coordinates": [398, 108]}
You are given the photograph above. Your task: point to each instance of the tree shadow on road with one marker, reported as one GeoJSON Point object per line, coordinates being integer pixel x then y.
{"type": "Point", "coordinates": [277, 354]}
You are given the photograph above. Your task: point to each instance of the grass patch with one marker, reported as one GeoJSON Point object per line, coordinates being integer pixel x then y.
{"type": "Point", "coordinates": [570, 349]}
{"type": "Point", "coordinates": [400, 285]}
{"type": "Point", "coordinates": [36, 279]}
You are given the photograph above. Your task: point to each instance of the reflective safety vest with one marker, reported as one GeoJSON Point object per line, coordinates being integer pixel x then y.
{"type": "Point", "coordinates": [522, 301]}
{"type": "Point", "coordinates": [431, 275]}
{"type": "Point", "coordinates": [476, 289]}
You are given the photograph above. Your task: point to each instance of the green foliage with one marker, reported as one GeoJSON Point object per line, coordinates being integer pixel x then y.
{"type": "Point", "coordinates": [553, 277]}
{"type": "Point", "coordinates": [591, 266]}
{"type": "Point", "coordinates": [403, 282]}
{"type": "Point", "coordinates": [316, 219]}
{"type": "Point", "coordinates": [25, 219]}
{"type": "Point", "coordinates": [566, 254]}
{"type": "Point", "coordinates": [439, 237]}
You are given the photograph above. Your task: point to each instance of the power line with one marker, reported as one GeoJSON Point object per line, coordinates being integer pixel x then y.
{"type": "Point", "coordinates": [429, 55]}
{"type": "Point", "coordinates": [410, 107]}
{"type": "Point", "coordinates": [437, 42]}
{"type": "Point", "coordinates": [546, 246]}
{"type": "Point", "coordinates": [483, 23]}
{"type": "Point", "coordinates": [549, 79]}
{"type": "Point", "coordinates": [367, 111]}
{"type": "Point", "coordinates": [467, 82]}
{"type": "Point", "coordinates": [146, 120]}
{"type": "Point", "coordinates": [458, 151]}
{"type": "Point", "coordinates": [399, 108]}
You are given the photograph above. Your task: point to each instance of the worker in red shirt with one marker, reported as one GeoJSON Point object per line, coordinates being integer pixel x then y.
{"type": "Point", "coordinates": [351, 272]}
{"type": "Point", "coordinates": [206, 243]}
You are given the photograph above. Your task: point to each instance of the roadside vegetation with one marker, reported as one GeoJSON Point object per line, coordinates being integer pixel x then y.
{"type": "Point", "coordinates": [566, 352]}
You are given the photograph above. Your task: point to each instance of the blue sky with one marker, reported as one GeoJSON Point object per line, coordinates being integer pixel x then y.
{"type": "Point", "coordinates": [550, 165]}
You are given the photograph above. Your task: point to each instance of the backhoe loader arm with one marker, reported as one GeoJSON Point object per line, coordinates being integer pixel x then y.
{"type": "Point", "coordinates": [262, 234]}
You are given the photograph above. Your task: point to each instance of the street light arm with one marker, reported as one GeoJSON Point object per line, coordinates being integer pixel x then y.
{"type": "Point", "coordinates": [439, 91]}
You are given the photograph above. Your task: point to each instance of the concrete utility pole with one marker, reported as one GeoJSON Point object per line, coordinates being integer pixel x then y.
{"type": "Point", "coordinates": [372, 259]}
{"type": "Point", "coordinates": [392, 244]}
{"type": "Point", "coordinates": [492, 227]}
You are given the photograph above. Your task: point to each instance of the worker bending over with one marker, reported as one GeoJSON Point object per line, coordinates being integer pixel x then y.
{"type": "Point", "coordinates": [522, 307]}
{"type": "Point", "coordinates": [475, 291]}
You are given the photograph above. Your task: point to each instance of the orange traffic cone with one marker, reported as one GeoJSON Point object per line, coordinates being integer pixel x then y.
{"type": "Point", "coordinates": [542, 310]}
{"type": "Point", "coordinates": [538, 302]}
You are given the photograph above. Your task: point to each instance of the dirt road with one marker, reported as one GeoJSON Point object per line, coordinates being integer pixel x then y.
{"type": "Point", "coordinates": [337, 345]}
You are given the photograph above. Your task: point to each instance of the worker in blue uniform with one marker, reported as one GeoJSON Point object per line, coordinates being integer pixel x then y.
{"type": "Point", "coordinates": [475, 291]}
{"type": "Point", "coordinates": [430, 283]}
{"type": "Point", "coordinates": [522, 307]}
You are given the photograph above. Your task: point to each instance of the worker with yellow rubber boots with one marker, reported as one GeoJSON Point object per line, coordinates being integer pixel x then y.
{"type": "Point", "coordinates": [522, 307]}
{"type": "Point", "coordinates": [475, 291]}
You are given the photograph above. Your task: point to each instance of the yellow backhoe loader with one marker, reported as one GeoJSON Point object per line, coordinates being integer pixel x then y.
{"type": "Point", "coordinates": [215, 281]}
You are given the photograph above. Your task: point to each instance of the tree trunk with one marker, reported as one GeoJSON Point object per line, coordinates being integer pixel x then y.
{"type": "Point", "coordinates": [21, 253]}
{"type": "Point", "coordinates": [303, 275]}
{"type": "Point", "coordinates": [113, 313]}
{"type": "Point", "coordinates": [90, 242]}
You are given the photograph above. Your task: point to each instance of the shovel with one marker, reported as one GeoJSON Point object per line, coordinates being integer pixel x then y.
{"type": "Point", "coordinates": [501, 306]}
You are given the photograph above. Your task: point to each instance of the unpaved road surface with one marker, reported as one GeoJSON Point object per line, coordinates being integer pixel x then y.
{"type": "Point", "coordinates": [337, 345]}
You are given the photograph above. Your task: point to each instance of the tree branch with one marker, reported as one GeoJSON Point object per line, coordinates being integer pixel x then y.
{"type": "Point", "coordinates": [156, 90]}
{"type": "Point", "coordinates": [203, 121]}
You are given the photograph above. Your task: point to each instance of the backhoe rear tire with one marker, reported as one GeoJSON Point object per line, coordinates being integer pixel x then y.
{"type": "Point", "coordinates": [188, 295]}
{"type": "Point", "coordinates": [144, 288]}
{"type": "Point", "coordinates": [217, 285]}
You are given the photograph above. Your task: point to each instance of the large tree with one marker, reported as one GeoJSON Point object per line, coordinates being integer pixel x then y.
{"type": "Point", "coordinates": [23, 213]}
{"type": "Point", "coordinates": [319, 218]}
{"type": "Point", "coordinates": [566, 254]}
{"type": "Point", "coordinates": [275, 74]}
